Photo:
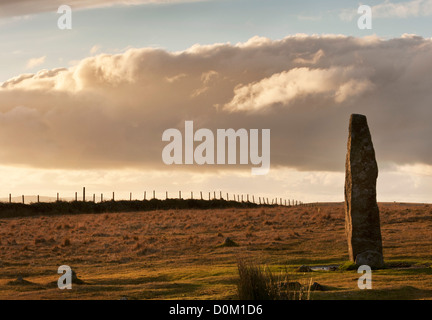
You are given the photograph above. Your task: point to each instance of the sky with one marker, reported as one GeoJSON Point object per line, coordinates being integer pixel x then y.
{"type": "Point", "coordinates": [88, 106]}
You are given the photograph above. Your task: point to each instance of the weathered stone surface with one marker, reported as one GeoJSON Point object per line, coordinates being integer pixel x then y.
{"type": "Point", "coordinates": [369, 258]}
{"type": "Point", "coordinates": [304, 268]}
{"type": "Point", "coordinates": [362, 221]}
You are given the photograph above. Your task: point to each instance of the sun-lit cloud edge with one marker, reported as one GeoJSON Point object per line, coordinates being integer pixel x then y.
{"type": "Point", "coordinates": [13, 8]}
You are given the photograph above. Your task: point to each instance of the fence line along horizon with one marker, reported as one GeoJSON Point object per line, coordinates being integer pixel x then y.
{"type": "Point", "coordinates": [144, 196]}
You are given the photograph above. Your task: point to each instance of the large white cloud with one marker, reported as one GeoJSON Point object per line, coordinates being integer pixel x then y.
{"type": "Point", "coordinates": [109, 111]}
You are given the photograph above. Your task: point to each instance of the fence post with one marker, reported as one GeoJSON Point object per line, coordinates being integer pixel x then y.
{"type": "Point", "coordinates": [113, 198]}
{"type": "Point", "coordinates": [220, 194]}
{"type": "Point", "coordinates": [23, 199]}
{"type": "Point", "coordinates": [192, 195]}
{"type": "Point", "coordinates": [201, 195]}
{"type": "Point", "coordinates": [144, 195]}
{"type": "Point", "coordinates": [38, 198]}
{"type": "Point", "coordinates": [227, 197]}
{"type": "Point", "coordinates": [130, 196]}
{"type": "Point", "coordinates": [180, 195]}
{"type": "Point", "coordinates": [58, 196]}
{"type": "Point", "coordinates": [94, 197]}
{"type": "Point", "coordinates": [83, 194]}
{"type": "Point", "coordinates": [76, 196]}
{"type": "Point", "coordinates": [166, 195]}
{"type": "Point", "coordinates": [10, 198]}
{"type": "Point", "coordinates": [154, 194]}
{"type": "Point", "coordinates": [101, 197]}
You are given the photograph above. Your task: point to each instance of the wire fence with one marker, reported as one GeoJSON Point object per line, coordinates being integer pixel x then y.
{"type": "Point", "coordinates": [144, 196]}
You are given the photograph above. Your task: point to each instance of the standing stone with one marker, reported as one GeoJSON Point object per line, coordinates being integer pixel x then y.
{"type": "Point", "coordinates": [362, 221]}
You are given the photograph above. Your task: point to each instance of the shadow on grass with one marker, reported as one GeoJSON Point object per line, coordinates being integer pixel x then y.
{"type": "Point", "coordinates": [129, 281]}
{"type": "Point", "coordinates": [406, 271]}
{"type": "Point", "coordinates": [143, 288]}
{"type": "Point", "coordinates": [401, 293]}
{"type": "Point", "coordinates": [168, 291]}
{"type": "Point", "coordinates": [310, 262]}
{"type": "Point", "coordinates": [21, 285]}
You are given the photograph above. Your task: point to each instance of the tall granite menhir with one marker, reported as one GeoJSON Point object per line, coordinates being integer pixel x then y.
{"type": "Point", "coordinates": [362, 221]}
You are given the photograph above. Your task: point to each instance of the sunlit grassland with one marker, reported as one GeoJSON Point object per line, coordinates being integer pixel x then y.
{"type": "Point", "coordinates": [176, 254]}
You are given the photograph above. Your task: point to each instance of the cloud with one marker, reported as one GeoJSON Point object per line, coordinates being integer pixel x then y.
{"type": "Point", "coordinates": [388, 9]}
{"type": "Point", "coordinates": [109, 111]}
{"type": "Point", "coordinates": [348, 14]}
{"type": "Point", "coordinates": [28, 7]}
{"type": "Point", "coordinates": [407, 9]}
{"type": "Point", "coordinates": [95, 49]}
{"type": "Point", "coordinates": [283, 88]}
{"type": "Point", "coordinates": [35, 62]}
